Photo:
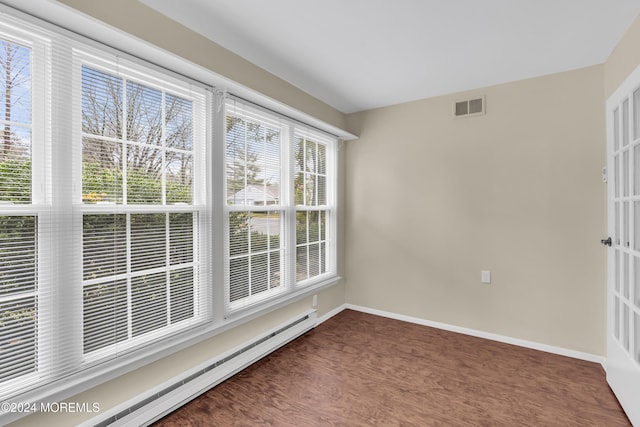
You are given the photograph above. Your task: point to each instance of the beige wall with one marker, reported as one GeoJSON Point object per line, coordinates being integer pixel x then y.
{"type": "Point", "coordinates": [623, 60]}
{"type": "Point", "coordinates": [433, 200]}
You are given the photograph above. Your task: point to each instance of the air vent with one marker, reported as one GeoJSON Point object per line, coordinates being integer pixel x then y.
{"type": "Point", "coordinates": [470, 107]}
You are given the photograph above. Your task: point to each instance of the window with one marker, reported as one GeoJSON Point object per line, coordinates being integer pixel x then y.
{"type": "Point", "coordinates": [104, 213]}
{"type": "Point", "coordinates": [314, 213]}
{"type": "Point", "coordinates": [23, 209]}
{"type": "Point", "coordinates": [280, 192]}
{"type": "Point", "coordinates": [140, 205]}
{"type": "Point", "coordinates": [254, 206]}
{"type": "Point", "coordinates": [107, 210]}
{"type": "Point", "coordinates": [16, 120]}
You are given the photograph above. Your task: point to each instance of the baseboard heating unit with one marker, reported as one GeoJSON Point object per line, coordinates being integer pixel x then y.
{"type": "Point", "coordinates": [155, 403]}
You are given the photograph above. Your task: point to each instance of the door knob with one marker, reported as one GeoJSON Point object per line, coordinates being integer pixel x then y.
{"type": "Point", "coordinates": [606, 242]}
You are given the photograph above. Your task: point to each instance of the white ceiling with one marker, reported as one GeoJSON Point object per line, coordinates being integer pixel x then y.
{"type": "Point", "coordinates": [361, 54]}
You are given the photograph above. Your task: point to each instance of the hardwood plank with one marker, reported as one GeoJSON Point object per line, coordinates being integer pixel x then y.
{"type": "Point", "coordinates": [358, 369]}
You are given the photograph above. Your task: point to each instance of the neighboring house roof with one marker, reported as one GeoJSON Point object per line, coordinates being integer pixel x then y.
{"type": "Point", "coordinates": [254, 194]}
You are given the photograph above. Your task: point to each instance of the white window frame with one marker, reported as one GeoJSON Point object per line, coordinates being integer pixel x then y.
{"type": "Point", "coordinates": [130, 71]}
{"type": "Point", "coordinates": [289, 130]}
{"type": "Point", "coordinates": [331, 267]}
{"type": "Point", "coordinates": [40, 206]}
{"type": "Point", "coordinates": [254, 115]}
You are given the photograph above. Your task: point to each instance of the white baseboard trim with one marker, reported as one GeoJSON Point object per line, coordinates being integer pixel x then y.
{"type": "Point", "coordinates": [330, 314]}
{"type": "Point", "coordinates": [480, 334]}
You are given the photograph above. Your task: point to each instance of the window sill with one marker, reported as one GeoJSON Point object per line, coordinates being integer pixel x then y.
{"type": "Point", "coordinates": [282, 300]}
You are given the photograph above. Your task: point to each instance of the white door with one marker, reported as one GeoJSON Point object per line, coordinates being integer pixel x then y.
{"type": "Point", "coordinates": [623, 290]}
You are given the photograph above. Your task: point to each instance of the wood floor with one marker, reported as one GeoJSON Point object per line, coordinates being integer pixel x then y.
{"type": "Point", "coordinates": [358, 369]}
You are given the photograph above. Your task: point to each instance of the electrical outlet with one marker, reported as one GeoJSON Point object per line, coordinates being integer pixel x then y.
{"type": "Point", "coordinates": [485, 276]}
{"type": "Point", "coordinates": [315, 301]}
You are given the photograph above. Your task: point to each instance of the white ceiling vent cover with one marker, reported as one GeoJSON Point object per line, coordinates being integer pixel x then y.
{"type": "Point", "coordinates": [469, 107]}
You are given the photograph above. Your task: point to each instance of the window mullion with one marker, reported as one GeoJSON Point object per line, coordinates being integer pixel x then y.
{"type": "Point", "coordinates": [61, 237]}
{"type": "Point", "coordinates": [220, 216]}
{"type": "Point", "coordinates": [43, 293]}
{"type": "Point", "coordinates": [289, 174]}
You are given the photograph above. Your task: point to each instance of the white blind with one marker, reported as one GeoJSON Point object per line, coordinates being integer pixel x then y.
{"type": "Point", "coordinates": [16, 89]}
{"type": "Point", "coordinates": [254, 147]}
{"type": "Point", "coordinates": [314, 206]}
{"type": "Point", "coordinates": [24, 207]}
{"type": "Point", "coordinates": [18, 291]}
{"type": "Point", "coordinates": [18, 231]}
{"type": "Point", "coordinates": [103, 206]}
{"type": "Point", "coordinates": [280, 210]}
{"type": "Point", "coordinates": [142, 162]}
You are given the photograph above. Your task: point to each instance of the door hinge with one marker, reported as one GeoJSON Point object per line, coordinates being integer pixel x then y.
{"type": "Point", "coordinates": [604, 175]}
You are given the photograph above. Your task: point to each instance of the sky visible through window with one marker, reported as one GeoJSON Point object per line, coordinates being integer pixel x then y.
{"type": "Point", "coordinates": [18, 233]}
{"type": "Point", "coordinates": [138, 134]}
{"type": "Point", "coordinates": [16, 121]}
